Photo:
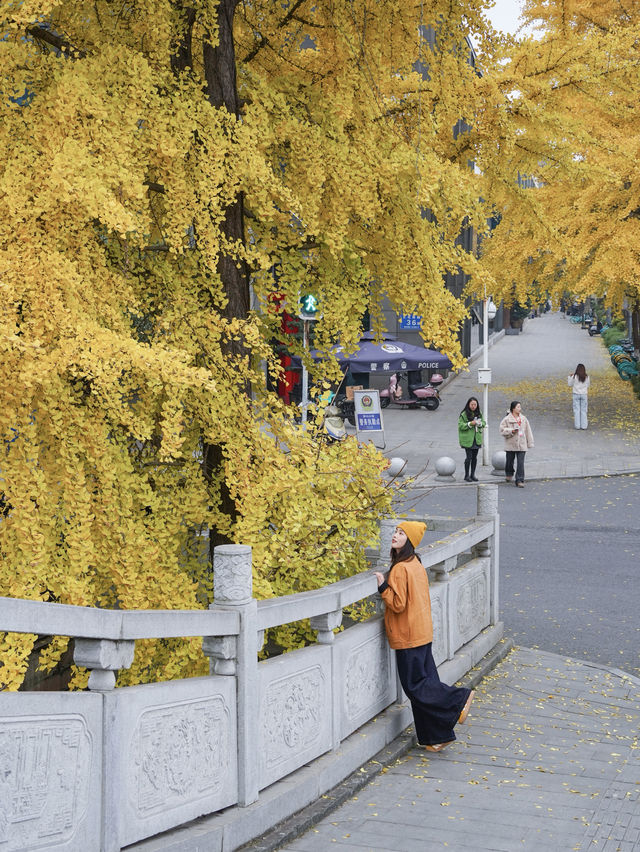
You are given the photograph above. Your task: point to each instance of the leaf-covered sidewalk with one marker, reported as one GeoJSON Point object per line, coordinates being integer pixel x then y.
{"type": "Point", "coordinates": [548, 760]}
{"type": "Point", "coordinates": [531, 367]}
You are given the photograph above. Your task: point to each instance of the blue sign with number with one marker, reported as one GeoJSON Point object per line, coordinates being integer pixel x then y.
{"type": "Point", "coordinates": [410, 322]}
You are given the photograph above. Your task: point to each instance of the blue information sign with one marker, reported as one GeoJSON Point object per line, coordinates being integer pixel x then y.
{"type": "Point", "coordinates": [410, 322]}
{"type": "Point", "coordinates": [369, 423]}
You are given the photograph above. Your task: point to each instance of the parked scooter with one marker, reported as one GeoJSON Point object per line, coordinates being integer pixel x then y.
{"type": "Point", "coordinates": [346, 408]}
{"type": "Point", "coordinates": [334, 424]}
{"type": "Point", "coordinates": [421, 395]}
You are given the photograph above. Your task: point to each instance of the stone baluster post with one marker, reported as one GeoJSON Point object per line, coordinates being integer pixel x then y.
{"type": "Point", "coordinates": [387, 528]}
{"type": "Point", "coordinates": [233, 589]}
{"type": "Point", "coordinates": [325, 624]}
{"type": "Point", "coordinates": [487, 508]}
{"type": "Point", "coordinates": [441, 602]}
{"type": "Point", "coordinates": [104, 657]}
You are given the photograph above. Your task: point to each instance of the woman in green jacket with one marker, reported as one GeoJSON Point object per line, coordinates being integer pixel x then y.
{"type": "Point", "coordinates": [470, 426]}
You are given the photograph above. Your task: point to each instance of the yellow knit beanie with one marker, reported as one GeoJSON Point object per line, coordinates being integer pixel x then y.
{"type": "Point", "coordinates": [414, 530]}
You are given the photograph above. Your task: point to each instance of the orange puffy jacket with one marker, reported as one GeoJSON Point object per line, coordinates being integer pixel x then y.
{"type": "Point", "coordinates": [407, 612]}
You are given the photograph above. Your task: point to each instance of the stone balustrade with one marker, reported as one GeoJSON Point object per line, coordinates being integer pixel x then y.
{"type": "Point", "coordinates": [253, 742]}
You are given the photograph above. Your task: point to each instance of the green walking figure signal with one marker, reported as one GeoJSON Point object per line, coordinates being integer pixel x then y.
{"type": "Point", "coordinates": [308, 311]}
{"type": "Point", "coordinates": [309, 307]}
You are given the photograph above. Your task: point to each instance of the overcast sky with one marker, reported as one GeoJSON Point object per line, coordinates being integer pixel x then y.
{"type": "Point", "coordinates": [504, 15]}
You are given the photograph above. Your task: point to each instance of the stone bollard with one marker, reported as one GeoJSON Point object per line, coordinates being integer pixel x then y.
{"type": "Point", "coordinates": [499, 462]}
{"type": "Point", "coordinates": [395, 468]}
{"type": "Point", "coordinates": [445, 468]}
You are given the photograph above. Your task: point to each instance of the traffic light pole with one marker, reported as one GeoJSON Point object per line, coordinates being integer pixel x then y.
{"type": "Point", "coordinates": [305, 374]}
{"type": "Point", "coordinates": [307, 312]}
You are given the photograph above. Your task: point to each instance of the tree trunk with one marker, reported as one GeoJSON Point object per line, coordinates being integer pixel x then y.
{"type": "Point", "coordinates": [635, 328]}
{"type": "Point", "coordinates": [221, 89]}
{"type": "Point", "coordinates": [183, 56]}
{"type": "Point", "coordinates": [220, 78]}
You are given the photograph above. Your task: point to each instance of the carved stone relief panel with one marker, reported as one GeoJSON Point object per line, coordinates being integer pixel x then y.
{"type": "Point", "coordinates": [472, 602]}
{"type": "Point", "coordinates": [367, 676]}
{"type": "Point", "coordinates": [176, 755]}
{"type": "Point", "coordinates": [439, 645]}
{"type": "Point", "coordinates": [295, 711]}
{"type": "Point", "coordinates": [291, 714]}
{"type": "Point", "coordinates": [45, 769]}
{"type": "Point", "coordinates": [180, 753]}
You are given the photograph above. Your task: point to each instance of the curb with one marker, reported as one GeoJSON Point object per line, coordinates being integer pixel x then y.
{"type": "Point", "coordinates": [306, 818]}
{"type": "Point", "coordinates": [429, 484]}
{"type": "Point", "coordinates": [489, 662]}
{"type": "Point", "coordinates": [612, 670]}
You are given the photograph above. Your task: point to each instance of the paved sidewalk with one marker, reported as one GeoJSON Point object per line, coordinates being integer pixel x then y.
{"type": "Point", "coordinates": [532, 367]}
{"type": "Point", "coordinates": [548, 761]}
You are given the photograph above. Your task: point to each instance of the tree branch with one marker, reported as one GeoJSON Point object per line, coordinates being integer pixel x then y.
{"type": "Point", "coordinates": [265, 41]}
{"type": "Point", "coordinates": [42, 34]}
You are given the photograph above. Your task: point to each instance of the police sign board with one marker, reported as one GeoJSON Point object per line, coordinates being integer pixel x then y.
{"type": "Point", "coordinates": [368, 414]}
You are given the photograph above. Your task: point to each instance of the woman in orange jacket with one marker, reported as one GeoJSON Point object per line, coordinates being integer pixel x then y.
{"type": "Point", "coordinates": [436, 707]}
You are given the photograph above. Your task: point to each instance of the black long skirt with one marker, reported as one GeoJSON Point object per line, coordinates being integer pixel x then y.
{"type": "Point", "coordinates": [436, 706]}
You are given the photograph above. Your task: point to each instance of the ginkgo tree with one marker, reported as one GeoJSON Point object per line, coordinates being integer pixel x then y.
{"type": "Point", "coordinates": [160, 162]}
{"type": "Point", "coordinates": [570, 96]}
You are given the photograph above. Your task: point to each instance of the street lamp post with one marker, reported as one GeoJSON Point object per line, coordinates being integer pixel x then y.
{"type": "Point", "coordinates": [484, 373]}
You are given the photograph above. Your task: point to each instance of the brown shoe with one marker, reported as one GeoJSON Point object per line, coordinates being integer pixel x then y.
{"type": "Point", "coordinates": [509, 478]}
{"type": "Point", "coordinates": [438, 747]}
{"type": "Point", "coordinates": [465, 710]}
{"type": "Point", "coordinates": [520, 484]}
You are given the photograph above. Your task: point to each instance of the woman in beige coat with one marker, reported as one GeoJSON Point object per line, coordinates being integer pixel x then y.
{"type": "Point", "coordinates": [518, 438]}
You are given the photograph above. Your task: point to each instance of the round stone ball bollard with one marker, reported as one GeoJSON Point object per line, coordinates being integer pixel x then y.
{"type": "Point", "coordinates": [395, 467]}
{"type": "Point", "coordinates": [445, 468]}
{"type": "Point", "coordinates": [499, 462]}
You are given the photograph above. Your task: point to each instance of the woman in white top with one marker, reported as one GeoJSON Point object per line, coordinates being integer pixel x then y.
{"type": "Point", "coordinates": [579, 381]}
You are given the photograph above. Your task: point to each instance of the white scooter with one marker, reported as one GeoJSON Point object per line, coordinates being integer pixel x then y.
{"type": "Point", "coordinates": [334, 424]}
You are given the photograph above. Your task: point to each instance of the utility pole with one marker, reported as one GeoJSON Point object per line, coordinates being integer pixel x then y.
{"type": "Point", "coordinates": [489, 311]}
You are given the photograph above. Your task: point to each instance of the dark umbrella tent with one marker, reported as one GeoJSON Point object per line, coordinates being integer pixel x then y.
{"type": "Point", "coordinates": [391, 356]}
{"type": "Point", "coordinates": [387, 356]}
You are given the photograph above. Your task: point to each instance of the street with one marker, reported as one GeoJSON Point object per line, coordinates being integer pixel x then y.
{"type": "Point", "coordinates": [569, 557]}
{"type": "Point", "coordinates": [570, 539]}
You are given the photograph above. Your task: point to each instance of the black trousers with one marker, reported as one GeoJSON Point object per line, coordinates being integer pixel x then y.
{"type": "Point", "coordinates": [470, 460]}
{"type": "Point", "coordinates": [436, 706]}
{"type": "Point", "coordinates": [518, 456]}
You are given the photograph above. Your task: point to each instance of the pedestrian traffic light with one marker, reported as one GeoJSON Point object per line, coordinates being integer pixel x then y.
{"type": "Point", "coordinates": [309, 307]}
